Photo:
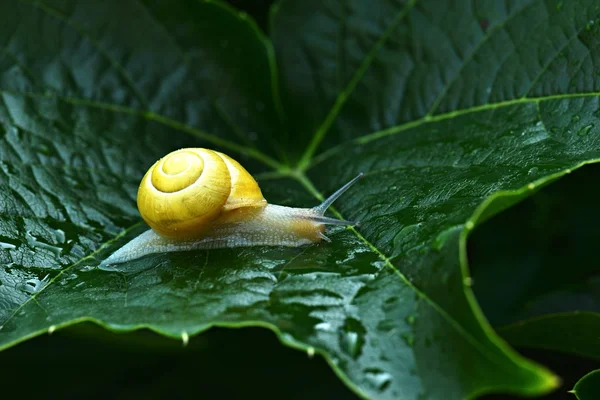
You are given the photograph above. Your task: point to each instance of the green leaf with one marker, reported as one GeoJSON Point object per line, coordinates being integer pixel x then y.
{"type": "Point", "coordinates": [525, 252]}
{"type": "Point", "coordinates": [588, 387]}
{"type": "Point", "coordinates": [573, 332]}
{"type": "Point", "coordinates": [451, 126]}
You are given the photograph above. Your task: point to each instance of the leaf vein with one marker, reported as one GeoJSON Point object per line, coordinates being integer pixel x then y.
{"type": "Point", "coordinates": [345, 94]}
{"type": "Point", "coordinates": [441, 117]}
{"type": "Point", "coordinates": [115, 64]}
{"type": "Point", "coordinates": [149, 115]}
{"type": "Point", "coordinates": [554, 57]}
{"type": "Point", "coordinates": [304, 181]}
{"type": "Point", "coordinates": [470, 56]}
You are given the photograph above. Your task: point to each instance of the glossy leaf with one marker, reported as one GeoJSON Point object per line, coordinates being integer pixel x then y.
{"type": "Point", "coordinates": [451, 126]}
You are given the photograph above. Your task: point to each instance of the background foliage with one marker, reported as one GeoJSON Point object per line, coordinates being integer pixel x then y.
{"type": "Point", "coordinates": [518, 258]}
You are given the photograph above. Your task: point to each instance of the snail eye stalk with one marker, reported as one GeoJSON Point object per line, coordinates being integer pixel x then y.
{"type": "Point", "coordinates": [321, 208]}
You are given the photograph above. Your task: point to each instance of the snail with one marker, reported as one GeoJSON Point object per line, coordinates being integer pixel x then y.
{"type": "Point", "coordinates": [196, 198]}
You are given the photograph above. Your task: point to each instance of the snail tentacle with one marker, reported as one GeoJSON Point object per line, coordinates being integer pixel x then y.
{"type": "Point", "coordinates": [321, 208]}
{"type": "Point", "coordinates": [325, 238]}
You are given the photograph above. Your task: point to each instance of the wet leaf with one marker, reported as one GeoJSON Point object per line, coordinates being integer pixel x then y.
{"type": "Point", "coordinates": [451, 126]}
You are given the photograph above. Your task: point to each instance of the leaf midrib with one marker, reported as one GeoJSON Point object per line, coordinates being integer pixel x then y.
{"type": "Point", "coordinates": [370, 137]}
{"type": "Point", "coordinates": [151, 116]}
{"type": "Point", "coordinates": [279, 170]}
{"type": "Point", "coordinates": [442, 95]}
{"type": "Point", "coordinates": [252, 152]}
{"type": "Point", "coordinates": [305, 161]}
{"type": "Point", "coordinates": [493, 357]}
{"type": "Point", "coordinates": [349, 89]}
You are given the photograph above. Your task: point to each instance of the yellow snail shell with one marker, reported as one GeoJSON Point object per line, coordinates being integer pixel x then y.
{"type": "Point", "coordinates": [183, 192]}
{"type": "Point", "coordinates": [197, 198]}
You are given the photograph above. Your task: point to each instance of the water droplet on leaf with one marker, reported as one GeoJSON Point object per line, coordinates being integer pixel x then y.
{"type": "Point", "coordinates": [589, 25]}
{"type": "Point", "coordinates": [34, 285]}
{"type": "Point", "coordinates": [378, 378]}
{"type": "Point", "coordinates": [60, 235]}
{"type": "Point", "coordinates": [324, 326]}
{"type": "Point", "coordinates": [409, 338]}
{"type": "Point", "coordinates": [32, 241]}
{"type": "Point", "coordinates": [352, 337]}
{"type": "Point", "coordinates": [8, 246]}
{"type": "Point", "coordinates": [386, 325]}
{"type": "Point", "coordinates": [585, 130]}
{"type": "Point", "coordinates": [445, 235]}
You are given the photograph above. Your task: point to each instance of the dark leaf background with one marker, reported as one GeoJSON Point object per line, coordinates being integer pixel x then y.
{"type": "Point", "coordinates": [534, 266]}
{"type": "Point", "coordinates": [588, 387]}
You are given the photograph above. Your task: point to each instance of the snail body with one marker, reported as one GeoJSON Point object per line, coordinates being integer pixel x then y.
{"type": "Point", "coordinates": [197, 198]}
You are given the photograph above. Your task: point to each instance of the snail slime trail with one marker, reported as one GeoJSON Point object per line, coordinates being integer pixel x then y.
{"type": "Point", "coordinates": [197, 198]}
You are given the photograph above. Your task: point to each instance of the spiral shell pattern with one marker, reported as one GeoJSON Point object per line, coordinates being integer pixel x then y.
{"type": "Point", "coordinates": [183, 193]}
